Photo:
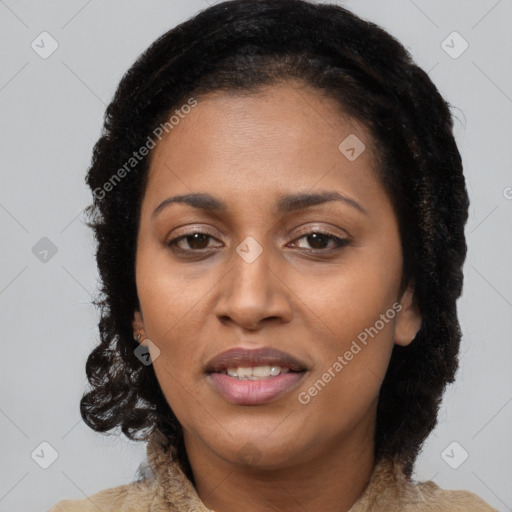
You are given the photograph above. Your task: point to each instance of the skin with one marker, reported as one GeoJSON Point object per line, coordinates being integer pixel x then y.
{"type": "Point", "coordinates": [308, 300]}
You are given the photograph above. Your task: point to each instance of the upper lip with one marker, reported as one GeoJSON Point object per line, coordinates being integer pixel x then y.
{"type": "Point", "coordinates": [249, 358]}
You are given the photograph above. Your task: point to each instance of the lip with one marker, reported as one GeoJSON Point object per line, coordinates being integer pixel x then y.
{"type": "Point", "coordinates": [254, 392]}
{"type": "Point", "coordinates": [242, 357]}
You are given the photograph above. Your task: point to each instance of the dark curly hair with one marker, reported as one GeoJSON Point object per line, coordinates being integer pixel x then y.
{"type": "Point", "coordinates": [240, 46]}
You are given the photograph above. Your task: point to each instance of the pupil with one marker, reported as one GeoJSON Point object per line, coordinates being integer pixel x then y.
{"type": "Point", "coordinates": [198, 240]}
{"type": "Point", "coordinates": [317, 238]}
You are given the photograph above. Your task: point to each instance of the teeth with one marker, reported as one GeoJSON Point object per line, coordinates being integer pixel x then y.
{"type": "Point", "coordinates": [256, 373]}
{"type": "Point", "coordinates": [244, 372]}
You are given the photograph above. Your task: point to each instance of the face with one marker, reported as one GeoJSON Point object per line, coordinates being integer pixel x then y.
{"type": "Point", "coordinates": [258, 267]}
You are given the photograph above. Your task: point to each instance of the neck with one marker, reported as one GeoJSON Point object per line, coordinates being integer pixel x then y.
{"type": "Point", "coordinates": [331, 479]}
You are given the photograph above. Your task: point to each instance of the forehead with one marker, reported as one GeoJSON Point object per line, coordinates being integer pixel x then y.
{"type": "Point", "coordinates": [283, 137]}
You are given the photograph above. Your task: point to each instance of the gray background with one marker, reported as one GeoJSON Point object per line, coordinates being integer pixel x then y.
{"type": "Point", "coordinates": [51, 115]}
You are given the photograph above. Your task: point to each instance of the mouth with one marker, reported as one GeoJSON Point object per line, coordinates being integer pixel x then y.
{"type": "Point", "coordinates": [254, 377]}
{"type": "Point", "coordinates": [255, 359]}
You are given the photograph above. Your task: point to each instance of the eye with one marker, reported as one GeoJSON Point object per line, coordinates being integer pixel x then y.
{"type": "Point", "coordinates": [318, 239]}
{"type": "Point", "coordinates": [196, 241]}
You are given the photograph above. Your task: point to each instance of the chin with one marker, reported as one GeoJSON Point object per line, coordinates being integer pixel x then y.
{"type": "Point", "coordinates": [257, 448]}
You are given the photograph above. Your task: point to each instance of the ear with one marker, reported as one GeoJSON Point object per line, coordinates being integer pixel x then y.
{"type": "Point", "coordinates": [408, 319]}
{"type": "Point", "coordinates": [138, 324]}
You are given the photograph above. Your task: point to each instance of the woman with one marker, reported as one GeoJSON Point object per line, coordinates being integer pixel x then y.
{"type": "Point", "coordinates": [279, 206]}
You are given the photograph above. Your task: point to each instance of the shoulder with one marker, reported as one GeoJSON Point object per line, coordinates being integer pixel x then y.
{"type": "Point", "coordinates": [133, 497]}
{"type": "Point", "coordinates": [390, 490]}
{"type": "Point", "coordinates": [428, 496]}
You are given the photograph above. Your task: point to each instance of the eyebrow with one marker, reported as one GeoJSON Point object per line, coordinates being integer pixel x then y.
{"type": "Point", "coordinates": [285, 203]}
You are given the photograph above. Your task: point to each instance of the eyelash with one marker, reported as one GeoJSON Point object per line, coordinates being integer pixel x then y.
{"type": "Point", "coordinates": [340, 242]}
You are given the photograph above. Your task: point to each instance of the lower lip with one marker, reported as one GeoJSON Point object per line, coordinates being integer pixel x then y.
{"type": "Point", "coordinates": [254, 392]}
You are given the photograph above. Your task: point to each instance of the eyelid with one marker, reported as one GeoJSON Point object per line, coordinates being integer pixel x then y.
{"type": "Point", "coordinates": [189, 230]}
{"type": "Point", "coordinates": [335, 231]}
{"type": "Point", "coordinates": [321, 229]}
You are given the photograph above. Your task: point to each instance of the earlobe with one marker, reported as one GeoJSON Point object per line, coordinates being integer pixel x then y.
{"type": "Point", "coordinates": [138, 326]}
{"type": "Point", "coordinates": [408, 320]}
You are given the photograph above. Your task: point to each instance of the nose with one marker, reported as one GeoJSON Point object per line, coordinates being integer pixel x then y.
{"type": "Point", "coordinates": [254, 293]}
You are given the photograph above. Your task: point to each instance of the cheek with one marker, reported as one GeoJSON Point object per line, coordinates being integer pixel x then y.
{"type": "Point", "coordinates": [170, 307]}
{"type": "Point", "coordinates": [169, 299]}
{"type": "Point", "coordinates": [358, 319]}
{"type": "Point", "coordinates": [170, 312]}
{"type": "Point", "coordinates": [344, 385]}
{"type": "Point", "coordinates": [354, 354]}
{"type": "Point", "coordinates": [353, 300]}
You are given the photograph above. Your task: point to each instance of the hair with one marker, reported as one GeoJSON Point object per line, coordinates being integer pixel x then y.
{"type": "Point", "coordinates": [238, 47]}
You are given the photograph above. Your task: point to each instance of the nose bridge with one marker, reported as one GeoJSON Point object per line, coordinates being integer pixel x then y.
{"type": "Point", "coordinates": [251, 277]}
{"type": "Point", "coordinates": [252, 291]}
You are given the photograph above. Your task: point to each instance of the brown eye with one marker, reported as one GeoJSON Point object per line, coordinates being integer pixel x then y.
{"type": "Point", "coordinates": [195, 241]}
{"type": "Point", "coordinates": [318, 240]}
